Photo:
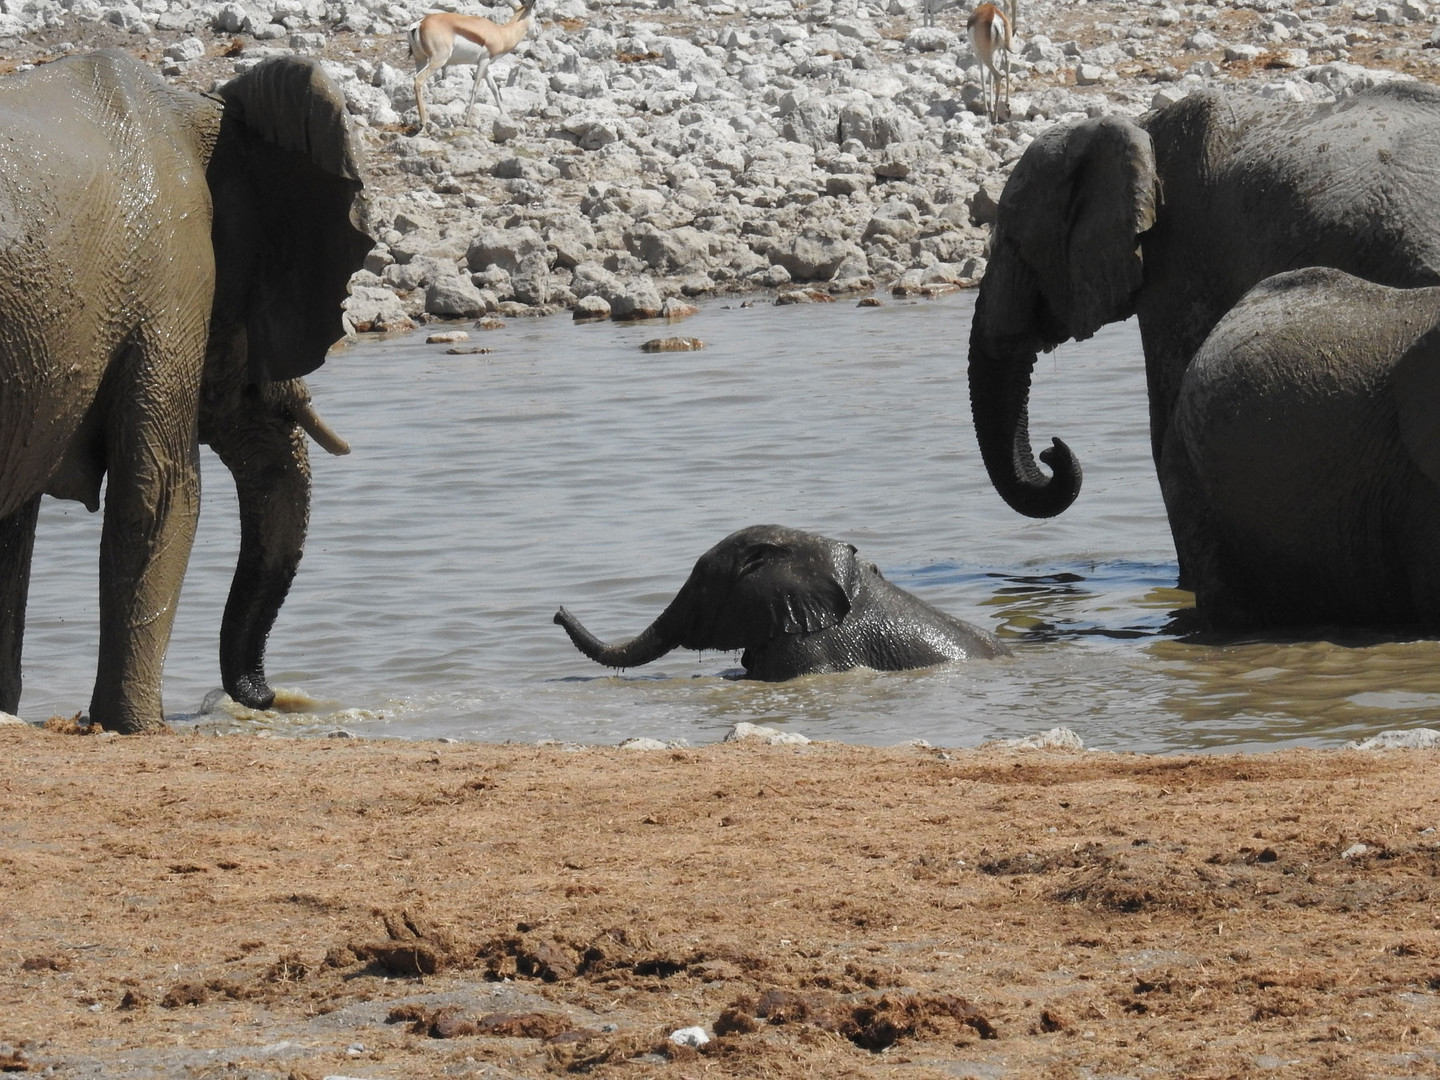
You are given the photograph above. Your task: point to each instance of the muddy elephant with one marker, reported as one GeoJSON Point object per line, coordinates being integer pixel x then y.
{"type": "Point", "coordinates": [1172, 219]}
{"type": "Point", "coordinates": [797, 604]}
{"type": "Point", "coordinates": [1304, 455]}
{"type": "Point", "coordinates": [171, 266]}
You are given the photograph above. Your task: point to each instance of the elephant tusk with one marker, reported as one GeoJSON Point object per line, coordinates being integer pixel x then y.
{"type": "Point", "coordinates": [306, 416]}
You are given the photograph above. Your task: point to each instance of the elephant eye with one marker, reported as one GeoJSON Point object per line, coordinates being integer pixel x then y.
{"type": "Point", "coordinates": [759, 555]}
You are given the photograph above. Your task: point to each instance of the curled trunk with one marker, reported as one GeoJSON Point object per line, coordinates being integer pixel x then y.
{"type": "Point", "coordinates": [1000, 402]}
{"type": "Point", "coordinates": [649, 645]}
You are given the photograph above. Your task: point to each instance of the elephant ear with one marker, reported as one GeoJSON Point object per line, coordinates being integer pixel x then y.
{"type": "Point", "coordinates": [1071, 217]}
{"type": "Point", "coordinates": [782, 582]}
{"type": "Point", "coordinates": [1416, 390]}
{"type": "Point", "coordinates": [285, 177]}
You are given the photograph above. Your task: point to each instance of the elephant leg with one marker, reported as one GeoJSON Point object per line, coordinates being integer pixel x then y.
{"type": "Point", "coordinates": [152, 503]}
{"type": "Point", "coordinates": [1205, 564]}
{"type": "Point", "coordinates": [17, 544]}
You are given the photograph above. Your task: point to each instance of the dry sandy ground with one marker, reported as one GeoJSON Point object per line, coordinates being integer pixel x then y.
{"type": "Point", "coordinates": [239, 907]}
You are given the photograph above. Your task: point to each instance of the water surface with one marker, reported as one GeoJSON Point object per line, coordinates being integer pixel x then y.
{"type": "Point", "coordinates": [566, 466]}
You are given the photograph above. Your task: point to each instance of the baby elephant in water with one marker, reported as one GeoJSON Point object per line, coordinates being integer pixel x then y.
{"type": "Point", "coordinates": [798, 604]}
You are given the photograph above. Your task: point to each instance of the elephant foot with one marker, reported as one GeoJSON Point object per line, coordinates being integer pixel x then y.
{"type": "Point", "coordinates": [133, 727]}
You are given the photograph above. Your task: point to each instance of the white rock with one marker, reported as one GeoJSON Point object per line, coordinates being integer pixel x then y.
{"type": "Point", "coordinates": [643, 743]}
{"type": "Point", "coordinates": [1354, 851]}
{"type": "Point", "coordinates": [690, 1036]}
{"type": "Point", "coordinates": [229, 18]}
{"type": "Point", "coordinates": [504, 248]}
{"type": "Point", "coordinates": [1058, 738]}
{"type": "Point", "coordinates": [186, 50]}
{"type": "Point", "coordinates": [637, 298]}
{"type": "Point", "coordinates": [1289, 58]}
{"type": "Point", "coordinates": [1291, 90]}
{"type": "Point", "coordinates": [771, 736]}
{"type": "Point", "coordinates": [592, 306]}
{"type": "Point", "coordinates": [930, 39]}
{"type": "Point", "coordinates": [371, 308]}
{"type": "Point", "coordinates": [1407, 739]}
{"type": "Point", "coordinates": [1167, 95]}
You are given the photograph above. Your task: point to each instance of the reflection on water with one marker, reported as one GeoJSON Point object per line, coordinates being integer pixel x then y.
{"type": "Point", "coordinates": [568, 467]}
{"type": "Point", "coordinates": [1289, 690]}
{"type": "Point", "coordinates": [1067, 604]}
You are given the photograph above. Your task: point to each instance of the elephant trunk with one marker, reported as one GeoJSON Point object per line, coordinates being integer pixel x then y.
{"type": "Point", "coordinates": [1000, 401]}
{"type": "Point", "coordinates": [649, 645]}
{"type": "Point", "coordinates": [257, 434]}
{"type": "Point", "coordinates": [274, 516]}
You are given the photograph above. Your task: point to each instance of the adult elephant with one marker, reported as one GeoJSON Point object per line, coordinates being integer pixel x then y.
{"type": "Point", "coordinates": [1304, 456]}
{"type": "Point", "coordinates": [1173, 219]}
{"type": "Point", "coordinates": [171, 265]}
{"type": "Point", "coordinates": [797, 604]}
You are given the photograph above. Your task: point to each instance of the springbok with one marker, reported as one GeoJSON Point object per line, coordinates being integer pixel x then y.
{"type": "Point", "coordinates": [989, 32]}
{"type": "Point", "coordinates": [444, 38]}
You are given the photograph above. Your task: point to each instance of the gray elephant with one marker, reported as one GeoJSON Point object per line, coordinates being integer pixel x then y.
{"type": "Point", "coordinates": [1304, 456]}
{"type": "Point", "coordinates": [171, 265]}
{"type": "Point", "coordinates": [797, 604]}
{"type": "Point", "coordinates": [1173, 219]}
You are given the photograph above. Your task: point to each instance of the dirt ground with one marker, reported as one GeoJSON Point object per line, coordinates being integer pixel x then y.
{"type": "Point", "coordinates": [192, 906]}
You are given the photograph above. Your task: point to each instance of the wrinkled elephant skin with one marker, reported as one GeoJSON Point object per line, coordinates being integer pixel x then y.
{"type": "Point", "coordinates": [166, 259]}
{"type": "Point", "coordinates": [1303, 461]}
{"type": "Point", "coordinates": [1173, 219]}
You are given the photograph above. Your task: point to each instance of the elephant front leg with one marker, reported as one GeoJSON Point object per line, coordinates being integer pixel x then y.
{"type": "Point", "coordinates": [152, 502]}
{"type": "Point", "coordinates": [17, 544]}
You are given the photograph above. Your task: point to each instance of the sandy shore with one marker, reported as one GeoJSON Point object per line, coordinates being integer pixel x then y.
{"type": "Point", "coordinates": [200, 906]}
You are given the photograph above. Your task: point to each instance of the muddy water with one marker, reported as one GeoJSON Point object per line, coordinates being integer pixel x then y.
{"type": "Point", "coordinates": [566, 466]}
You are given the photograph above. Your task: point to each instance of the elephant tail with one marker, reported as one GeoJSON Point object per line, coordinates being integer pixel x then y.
{"type": "Point", "coordinates": [650, 644]}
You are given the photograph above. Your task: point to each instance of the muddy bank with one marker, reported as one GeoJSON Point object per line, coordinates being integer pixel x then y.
{"type": "Point", "coordinates": [184, 905]}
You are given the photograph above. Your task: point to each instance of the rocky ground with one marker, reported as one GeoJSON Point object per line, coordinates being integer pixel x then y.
{"type": "Point", "coordinates": [191, 907]}
{"type": "Point", "coordinates": [656, 149]}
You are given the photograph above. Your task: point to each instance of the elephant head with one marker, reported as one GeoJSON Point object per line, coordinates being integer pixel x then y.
{"type": "Point", "coordinates": [756, 584]}
{"type": "Point", "coordinates": [284, 179]}
{"type": "Point", "coordinates": [1064, 261]}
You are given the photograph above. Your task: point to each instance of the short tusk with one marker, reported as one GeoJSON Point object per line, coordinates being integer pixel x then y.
{"type": "Point", "coordinates": [324, 436]}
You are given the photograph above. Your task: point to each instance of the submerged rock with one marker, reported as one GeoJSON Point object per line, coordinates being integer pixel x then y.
{"type": "Point", "coordinates": [672, 344]}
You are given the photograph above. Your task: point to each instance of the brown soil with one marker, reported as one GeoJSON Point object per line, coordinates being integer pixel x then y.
{"type": "Point", "coordinates": [200, 906]}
